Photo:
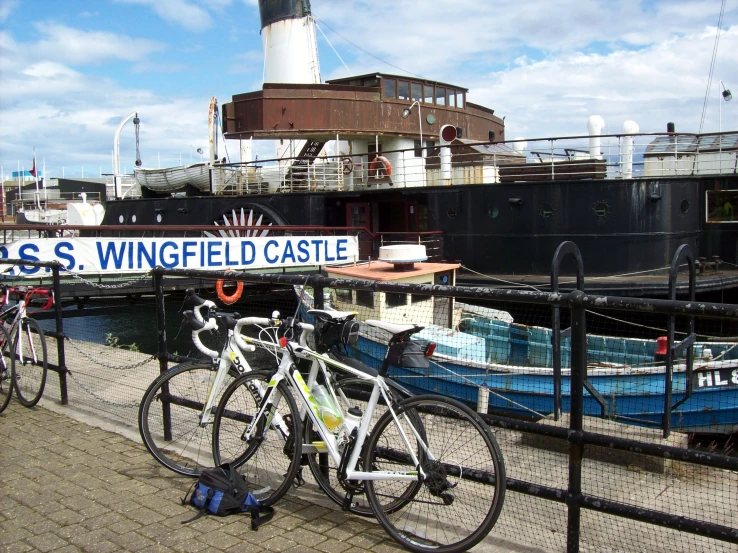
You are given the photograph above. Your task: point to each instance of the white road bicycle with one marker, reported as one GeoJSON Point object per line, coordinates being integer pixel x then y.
{"type": "Point", "coordinates": [430, 468]}
{"type": "Point", "coordinates": [24, 346]}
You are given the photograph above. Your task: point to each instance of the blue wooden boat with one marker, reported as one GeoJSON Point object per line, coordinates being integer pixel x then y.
{"type": "Point", "coordinates": [482, 355]}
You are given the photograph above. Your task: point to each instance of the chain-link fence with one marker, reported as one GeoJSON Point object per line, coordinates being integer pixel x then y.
{"type": "Point", "coordinates": [591, 471]}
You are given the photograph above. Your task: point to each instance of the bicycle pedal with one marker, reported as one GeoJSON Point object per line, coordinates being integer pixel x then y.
{"type": "Point", "coordinates": [299, 480]}
{"type": "Point", "coordinates": [347, 502]}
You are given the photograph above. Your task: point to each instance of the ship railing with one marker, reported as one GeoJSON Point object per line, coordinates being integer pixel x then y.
{"type": "Point", "coordinates": [432, 240]}
{"type": "Point", "coordinates": [465, 162]}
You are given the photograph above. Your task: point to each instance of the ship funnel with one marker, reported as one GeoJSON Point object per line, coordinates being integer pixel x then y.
{"type": "Point", "coordinates": [519, 145]}
{"type": "Point", "coordinates": [288, 39]}
{"type": "Point", "coordinates": [629, 129]}
{"type": "Point", "coordinates": [595, 124]}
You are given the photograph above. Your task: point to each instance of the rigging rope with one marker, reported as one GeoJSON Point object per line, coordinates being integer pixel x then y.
{"type": "Point", "coordinates": [712, 64]}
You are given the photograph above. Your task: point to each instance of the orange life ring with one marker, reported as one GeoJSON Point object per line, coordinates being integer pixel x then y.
{"type": "Point", "coordinates": [225, 298]}
{"type": "Point", "coordinates": [381, 165]}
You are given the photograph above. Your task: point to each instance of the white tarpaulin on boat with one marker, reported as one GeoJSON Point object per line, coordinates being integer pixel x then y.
{"type": "Point", "coordinates": [126, 255]}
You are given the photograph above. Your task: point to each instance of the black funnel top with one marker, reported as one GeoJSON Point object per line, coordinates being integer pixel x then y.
{"type": "Point", "coordinates": [272, 11]}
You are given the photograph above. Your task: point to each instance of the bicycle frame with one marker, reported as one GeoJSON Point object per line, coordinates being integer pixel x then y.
{"type": "Point", "coordinates": [288, 371]}
{"type": "Point", "coordinates": [20, 309]}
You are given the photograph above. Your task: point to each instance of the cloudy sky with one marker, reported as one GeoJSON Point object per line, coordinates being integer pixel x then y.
{"type": "Point", "coordinates": [70, 70]}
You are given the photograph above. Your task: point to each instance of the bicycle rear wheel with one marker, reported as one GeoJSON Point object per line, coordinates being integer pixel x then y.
{"type": "Point", "coordinates": [29, 362]}
{"type": "Point", "coordinates": [461, 496]}
{"type": "Point", "coordinates": [169, 418]}
{"type": "Point", "coordinates": [6, 373]}
{"type": "Point", "coordinates": [270, 459]}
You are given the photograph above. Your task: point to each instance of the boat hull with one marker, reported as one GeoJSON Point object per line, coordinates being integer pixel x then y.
{"type": "Point", "coordinates": [173, 179]}
{"type": "Point", "coordinates": [633, 396]}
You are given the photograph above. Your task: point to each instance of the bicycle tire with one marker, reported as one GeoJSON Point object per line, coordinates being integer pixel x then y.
{"type": "Point", "coordinates": [462, 494]}
{"type": "Point", "coordinates": [270, 460]}
{"type": "Point", "coordinates": [182, 391]}
{"type": "Point", "coordinates": [7, 376]}
{"type": "Point", "coordinates": [29, 375]}
{"type": "Point", "coordinates": [356, 393]}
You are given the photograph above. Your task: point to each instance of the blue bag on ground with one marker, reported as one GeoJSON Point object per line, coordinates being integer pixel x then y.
{"type": "Point", "coordinates": [222, 491]}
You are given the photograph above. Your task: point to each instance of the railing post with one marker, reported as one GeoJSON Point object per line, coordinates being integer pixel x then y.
{"type": "Point", "coordinates": [682, 253]}
{"type": "Point", "coordinates": [564, 249]}
{"type": "Point", "coordinates": [162, 347]}
{"type": "Point", "coordinates": [61, 357]}
{"type": "Point", "coordinates": [576, 447]}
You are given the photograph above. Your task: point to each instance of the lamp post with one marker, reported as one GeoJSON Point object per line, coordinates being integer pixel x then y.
{"type": "Point", "coordinates": [727, 96]}
{"type": "Point", "coordinates": [406, 113]}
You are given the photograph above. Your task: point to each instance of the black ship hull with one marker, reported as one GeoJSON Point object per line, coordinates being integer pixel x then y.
{"type": "Point", "coordinates": [623, 228]}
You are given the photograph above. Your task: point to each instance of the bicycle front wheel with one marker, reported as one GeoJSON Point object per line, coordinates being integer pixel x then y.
{"type": "Point", "coordinates": [29, 362]}
{"type": "Point", "coordinates": [170, 414]}
{"type": "Point", "coordinates": [6, 374]}
{"type": "Point", "coordinates": [270, 458]}
{"type": "Point", "coordinates": [463, 488]}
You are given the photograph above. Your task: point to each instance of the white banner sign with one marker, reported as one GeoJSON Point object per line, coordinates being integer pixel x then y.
{"type": "Point", "coordinates": [137, 255]}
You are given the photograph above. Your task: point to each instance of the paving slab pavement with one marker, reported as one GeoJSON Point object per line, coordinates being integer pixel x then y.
{"type": "Point", "coordinates": [69, 487]}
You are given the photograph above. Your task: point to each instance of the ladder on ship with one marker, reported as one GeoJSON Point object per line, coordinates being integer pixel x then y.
{"type": "Point", "coordinates": [298, 176]}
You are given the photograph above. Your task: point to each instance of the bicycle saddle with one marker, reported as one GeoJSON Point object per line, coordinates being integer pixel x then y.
{"type": "Point", "coordinates": [393, 328]}
{"type": "Point", "coordinates": [333, 315]}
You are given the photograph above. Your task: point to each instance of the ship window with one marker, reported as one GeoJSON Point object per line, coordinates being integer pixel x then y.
{"type": "Point", "coordinates": [440, 96]}
{"type": "Point", "coordinates": [390, 88]}
{"type": "Point", "coordinates": [395, 300]}
{"type": "Point", "coordinates": [418, 151]}
{"type": "Point", "coordinates": [459, 99]}
{"type": "Point", "coordinates": [493, 212]}
{"type": "Point", "coordinates": [601, 209]}
{"type": "Point", "coordinates": [403, 90]}
{"type": "Point", "coordinates": [415, 298]}
{"type": "Point", "coordinates": [428, 97]}
{"type": "Point", "coordinates": [371, 82]}
{"type": "Point", "coordinates": [722, 205]}
{"type": "Point", "coordinates": [417, 92]}
{"type": "Point", "coordinates": [452, 212]}
{"type": "Point", "coordinates": [451, 97]}
{"type": "Point", "coordinates": [684, 206]}
{"type": "Point", "coordinates": [365, 298]}
{"type": "Point", "coordinates": [344, 295]}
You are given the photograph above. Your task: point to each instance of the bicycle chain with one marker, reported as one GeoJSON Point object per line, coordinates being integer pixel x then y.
{"type": "Point", "coordinates": [107, 286]}
{"type": "Point", "coordinates": [100, 398]}
{"type": "Point", "coordinates": [114, 367]}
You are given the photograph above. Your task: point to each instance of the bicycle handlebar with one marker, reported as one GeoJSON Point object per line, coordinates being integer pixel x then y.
{"type": "Point", "coordinates": [28, 293]}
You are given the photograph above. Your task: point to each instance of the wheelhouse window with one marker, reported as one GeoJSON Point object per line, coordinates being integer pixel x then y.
{"type": "Point", "coordinates": [417, 89]}
{"type": "Point", "coordinates": [395, 300]}
{"type": "Point", "coordinates": [344, 295]}
{"type": "Point", "coordinates": [365, 298]}
{"type": "Point", "coordinates": [428, 96]}
{"type": "Point", "coordinates": [403, 90]}
{"type": "Point", "coordinates": [440, 96]}
{"type": "Point", "coordinates": [390, 88]}
{"type": "Point", "coordinates": [451, 97]}
{"type": "Point", "coordinates": [460, 99]}
{"type": "Point", "coordinates": [371, 82]}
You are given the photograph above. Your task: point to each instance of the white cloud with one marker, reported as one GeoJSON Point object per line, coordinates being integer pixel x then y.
{"type": "Point", "coordinates": [181, 12]}
{"type": "Point", "coordinates": [6, 7]}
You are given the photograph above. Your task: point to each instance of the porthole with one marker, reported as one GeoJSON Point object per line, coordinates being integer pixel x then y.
{"type": "Point", "coordinates": [684, 206]}
{"type": "Point", "coordinates": [493, 212]}
{"type": "Point", "coordinates": [133, 218]}
{"type": "Point", "coordinates": [121, 219]}
{"type": "Point", "coordinates": [546, 211]}
{"type": "Point", "coordinates": [601, 209]}
{"type": "Point", "coordinates": [452, 212]}
{"type": "Point", "coordinates": [158, 217]}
